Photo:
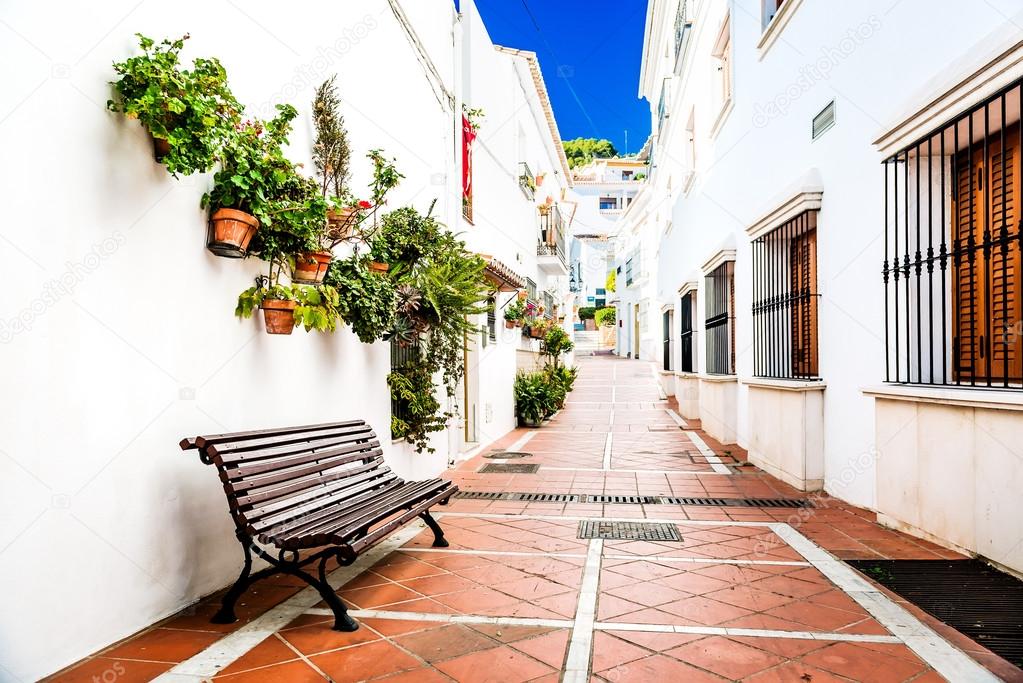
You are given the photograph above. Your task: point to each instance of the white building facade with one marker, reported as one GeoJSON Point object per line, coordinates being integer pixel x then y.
{"type": "Point", "coordinates": [118, 325]}
{"type": "Point", "coordinates": [837, 262]}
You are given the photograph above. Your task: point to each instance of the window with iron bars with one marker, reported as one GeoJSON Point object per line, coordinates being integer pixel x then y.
{"type": "Point", "coordinates": [402, 355]}
{"type": "Point", "coordinates": [720, 319]}
{"type": "Point", "coordinates": [491, 320]}
{"type": "Point", "coordinates": [669, 346]}
{"type": "Point", "coordinates": [530, 290]}
{"type": "Point", "coordinates": [686, 317]}
{"type": "Point", "coordinates": [548, 305]}
{"type": "Point", "coordinates": [952, 249]}
{"type": "Point", "coordinates": [785, 300]}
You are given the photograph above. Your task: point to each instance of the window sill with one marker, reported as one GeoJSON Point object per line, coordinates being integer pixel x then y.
{"type": "Point", "coordinates": [777, 25]}
{"type": "Point", "coordinates": [784, 384]}
{"type": "Point", "coordinates": [967, 397]}
{"type": "Point", "coordinates": [688, 181]}
{"type": "Point", "coordinates": [719, 120]}
{"type": "Point", "coordinates": [718, 379]}
{"type": "Point", "coordinates": [687, 375]}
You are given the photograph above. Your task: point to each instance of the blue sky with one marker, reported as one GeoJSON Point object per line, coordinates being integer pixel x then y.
{"type": "Point", "coordinates": [589, 52]}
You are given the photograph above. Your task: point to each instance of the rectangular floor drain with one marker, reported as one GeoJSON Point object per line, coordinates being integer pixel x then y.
{"type": "Point", "coordinates": [969, 595]}
{"type": "Point", "coordinates": [608, 499]}
{"type": "Point", "coordinates": [509, 468]}
{"type": "Point", "coordinates": [628, 531]}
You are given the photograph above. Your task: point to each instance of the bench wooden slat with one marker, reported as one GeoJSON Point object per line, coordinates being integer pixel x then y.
{"type": "Point", "coordinates": [385, 529]}
{"type": "Point", "coordinates": [260, 518]}
{"type": "Point", "coordinates": [293, 524]}
{"type": "Point", "coordinates": [363, 516]}
{"type": "Point", "coordinates": [251, 469]}
{"type": "Point", "coordinates": [235, 452]}
{"type": "Point", "coordinates": [256, 491]}
{"type": "Point", "coordinates": [334, 465]}
{"type": "Point", "coordinates": [358, 545]}
{"type": "Point", "coordinates": [213, 439]}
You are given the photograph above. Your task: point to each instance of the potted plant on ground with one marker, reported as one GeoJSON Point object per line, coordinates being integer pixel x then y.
{"type": "Point", "coordinates": [533, 398]}
{"type": "Point", "coordinates": [189, 113]}
{"type": "Point", "coordinates": [555, 344]}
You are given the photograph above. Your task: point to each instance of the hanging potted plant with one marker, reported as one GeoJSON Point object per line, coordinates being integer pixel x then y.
{"type": "Point", "coordinates": [514, 312]}
{"type": "Point", "coordinates": [189, 113]}
{"type": "Point", "coordinates": [251, 172]}
{"type": "Point", "coordinates": [365, 302]}
{"type": "Point", "coordinates": [277, 302]}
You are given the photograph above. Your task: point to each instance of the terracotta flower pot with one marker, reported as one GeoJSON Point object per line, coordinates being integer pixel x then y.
{"type": "Point", "coordinates": [378, 267]}
{"type": "Point", "coordinates": [161, 148]}
{"type": "Point", "coordinates": [522, 295]}
{"type": "Point", "coordinates": [341, 223]}
{"type": "Point", "coordinates": [311, 267]}
{"type": "Point", "coordinates": [231, 233]}
{"type": "Point", "coordinates": [278, 316]}
{"type": "Point", "coordinates": [518, 323]}
{"type": "Point", "coordinates": [510, 324]}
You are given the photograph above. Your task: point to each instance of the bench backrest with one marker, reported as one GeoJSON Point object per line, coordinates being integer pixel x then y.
{"type": "Point", "coordinates": [276, 479]}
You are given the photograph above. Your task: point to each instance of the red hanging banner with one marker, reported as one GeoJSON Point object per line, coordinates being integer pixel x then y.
{"type": "Point", "coordinates": [468, 135]}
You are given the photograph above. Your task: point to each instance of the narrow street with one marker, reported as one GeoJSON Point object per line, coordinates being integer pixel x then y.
{"type": "Point", "coordinates": [745, 593]}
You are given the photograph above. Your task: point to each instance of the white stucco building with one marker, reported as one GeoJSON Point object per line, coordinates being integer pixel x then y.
{"type": "Point", "coordinates": [823, 296]}
{"type": "Point", "coordinates": [117, 328]}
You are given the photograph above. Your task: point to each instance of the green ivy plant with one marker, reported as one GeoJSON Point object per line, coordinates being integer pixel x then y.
{"type": "Point", "coordinates": [366, 301]}
{"type": "Point", "coordinates": [318, 308]}
{"type": "Point", "coordinates": [192, 110]}
{"type": "Point", "coordinates": [605, 317]}
{"type": "Point", "coordinates": [420, 415]}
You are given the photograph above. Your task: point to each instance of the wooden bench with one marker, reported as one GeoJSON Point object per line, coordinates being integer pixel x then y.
{"type": "Point", "coordinates": [314, 493]}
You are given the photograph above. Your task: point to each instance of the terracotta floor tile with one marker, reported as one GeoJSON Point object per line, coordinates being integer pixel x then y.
{"type": "Point", "coordinates": [795, 672]}
{"type": "Point", "coordinates": [445, 642]}
{"type": "Point", "coordinates": [473, 600]}
{"type": "Point", "coordinates": [657, 668]}
{"type": "Point", "coordinates": [501, 665]}
{"type": "Point", "coordinates": [164, 645]}
{"type": "Point", "coordinates": [531, 588]}
{"type": "Point", "coordinates": [364, 661]}
{"type": "Point", "coordinates": [510, 634]}
{"type": "Point", "coordinates": [311, 640]}
{"type": "Point", "coordinates": [424, 675]}
{"type": "Point", "coordinates": [701, 610]}
{"type": "Point", "coordinates": [610, 651]}
{"type": "Point", "coordinates": [438, 585]}
{"type": "Point", "coordinates": [550, 649]}
{"type": "Point", "coordinates": [294, 672]}
{"type": "Point", "coordinates": [111, 669]}
{"type": "Point", "coordinates": [727, 658]}
{"type": "Point", "coordinates": [269, 651]}
{"type": "Point", "coordinates": [851, 661]}
{"type": "Point", "coordinates": [377, 596]}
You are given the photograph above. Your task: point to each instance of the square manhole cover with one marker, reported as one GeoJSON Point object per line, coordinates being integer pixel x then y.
{"type": "Point", "coordinates": [628, 531]}
{"type": "Point", "coordinates": [508, 455]}
{"type": "Point", "coordinates": [509, 468]}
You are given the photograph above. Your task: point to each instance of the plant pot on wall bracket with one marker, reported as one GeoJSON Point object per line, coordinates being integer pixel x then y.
{"type": "Point", "coordinates": [341, 223]}
{"type": "Point", "coordinates": [378, 267]}
{"type": "Point", "coordinates": [278, 316]}
{"type": "Point", "coordinates": [161, 147]}
{"type": "Point", "coordinates": [230, 232]}
{"type": "Point", "coordinates": [510, 324]}
{"type": "Point", "coordinates": [311, 267]}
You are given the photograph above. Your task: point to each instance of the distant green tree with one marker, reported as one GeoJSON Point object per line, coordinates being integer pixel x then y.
{"type": "Point", "coordinates": [583, 150]}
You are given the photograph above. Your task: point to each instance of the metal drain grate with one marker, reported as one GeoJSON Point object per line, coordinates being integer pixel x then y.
{"type": "Point", "coordinates": [608, 499]}
{"type": "Point", "coordinates": [968, 595]}
{"type": "Point", "coordinates": [509, 468]}
{"type": "Point", "coordinates": [547, 497]}
{"type": "Point", "coordinates": [628, 531]}
{"type": "Point", "coordinates": [507, 455]}
{"type": "Point", "coordinates": [620, 500]}
{"type": "Point", "coordinates": [739, 502]}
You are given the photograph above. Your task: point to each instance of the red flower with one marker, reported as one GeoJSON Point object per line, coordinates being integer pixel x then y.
{"type": "Point", "coordinates": [363, 204]}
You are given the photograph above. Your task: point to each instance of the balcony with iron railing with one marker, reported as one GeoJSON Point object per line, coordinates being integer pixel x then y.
{"type": "Point", "coordinates": [551, 245]}
{"type": "Point", "coordinates": [527, 181]}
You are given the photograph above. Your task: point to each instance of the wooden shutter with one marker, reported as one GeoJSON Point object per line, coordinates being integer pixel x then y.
{"type": "Point", "coordinates": [986, 282]}
{"type": "Point", "coordinates": [967, 267]}
{"type": "Point", "coordinates": [803, 259]}
{"type": "Point", "coordinates": [1004, 268]}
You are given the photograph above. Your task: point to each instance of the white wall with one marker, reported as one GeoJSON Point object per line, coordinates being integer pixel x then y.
{"type": "Point", "coordinates": [876, 61]}
{"type": "Point", "coordinates": [107, 525]}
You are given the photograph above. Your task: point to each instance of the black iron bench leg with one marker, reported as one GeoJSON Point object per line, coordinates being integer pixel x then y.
{"type": "Point", "coordinates": [342, 620]}
{"type": "Point", "coordinates": [438, 534]}
{"type": "Point", "coordinates": [226, 615]}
